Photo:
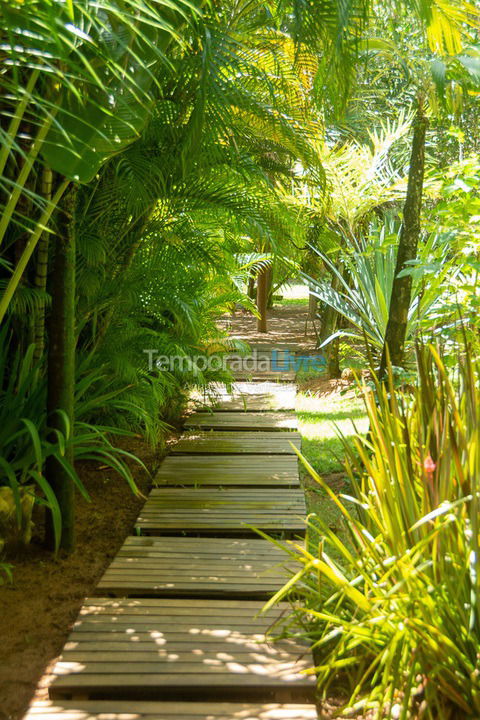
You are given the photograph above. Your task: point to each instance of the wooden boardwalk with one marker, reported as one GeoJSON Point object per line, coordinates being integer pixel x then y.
{"type": "Point", "coordinates": [254, 397]}
{"type": "Point", "coordinates": [195, 567]}
{"type": "Point", "coordinates": [239, 443]}
{"type": "Point", "coordinates": [250, 421]}
{"type": "Point", "coordinates": [128, 710]}
{"type": "Point", "coordinates": [172, 649]}
{"type": "Point", "coordinates": [259, 471]}
{"type": "Point", "coordinates": [216, 511]}
{"type": "Point", "coordinates": [177, 631]}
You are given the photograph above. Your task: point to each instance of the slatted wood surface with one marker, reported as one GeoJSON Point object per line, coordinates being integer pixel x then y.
{"type": "Point", "coordinates": [263, 362]}
{"type": "Point", "coordinates": [226, 511]}
{"type": "Point", "coordinates": [196, 567]}
{"type": "Point", "coordinates": [245, 443]}
{"type": "Point", "coordinates": [228, 421]}
{"type": "Point", "coordinates": [229, 471]}
{"type": "Point", "coordinates": [187, 624]}
{"type": "Point", "coordinates": [129, 710]}
{"type": "Point", "coordinates": [180, 649]}
{"type": "Point", "coordinates": [255, 397]}
{"type": "Point", "coordinates": [261, 376]}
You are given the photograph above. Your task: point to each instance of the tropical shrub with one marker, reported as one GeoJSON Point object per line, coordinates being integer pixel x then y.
{"type": "Point", "coordinates": [364, 279]}
{"type": "Point", "coordinates": [26, 441]}
{"type": "Point", "coordinates": [393, 610]}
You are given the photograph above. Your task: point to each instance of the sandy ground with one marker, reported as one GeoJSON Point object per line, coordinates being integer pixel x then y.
{"type": "Point", "coordinates": [287, 325]}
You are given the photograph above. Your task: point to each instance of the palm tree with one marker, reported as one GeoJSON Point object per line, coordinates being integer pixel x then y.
{"type": "Point", "coordinates": [77, 86]}
{"type": "Point", "coordinates": [435, 75]}
{"type": "Point", "coordinates": [210, 108]}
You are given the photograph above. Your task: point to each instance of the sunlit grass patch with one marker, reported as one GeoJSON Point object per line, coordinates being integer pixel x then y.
{"type": "Point", "coordinates": [321, 419]}
{"type": "Point", "coordinates": [290, 302]}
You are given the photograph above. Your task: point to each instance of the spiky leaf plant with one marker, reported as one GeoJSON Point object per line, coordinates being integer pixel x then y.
{"type": "Point", "coordinates": [393, 610]}
{"type": "Point", "coordinates": [26, 440]}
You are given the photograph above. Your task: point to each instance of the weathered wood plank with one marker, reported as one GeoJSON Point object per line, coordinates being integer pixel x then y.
{"type": "Point", "coordinates": [222, 510]}
{"type": "Point", "coordinates": [261, 376]}
{"type": "Point", "coordinates": [228, 421]}
{"type": "Point", "coordinates": [243, 443]}
{"type": "Point", "coordinates": [231, 462]}
{"type": "Point", "coordinates": [252, 397]}
{"type": "Point", "coordinates": [248, 665]}
{"type": "Point", "coordinates": [231, 470]}
{"type": "Point", "coordinates": [177, 566]}
{"type": "Point", "coordinates": [128, 710]}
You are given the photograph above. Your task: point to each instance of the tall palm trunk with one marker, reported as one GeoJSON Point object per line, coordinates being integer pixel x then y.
{"type": "Point", "coordinates": [251, 287]}
{"type": "Point", "coordinates": [328, 325]}
{"type": "Point", "coordinates": [407, 248]}
{"type": "Point", "coordinates": [61, 366]}
{"type": "Point", "coordinates": [263, 284]}
{"type": "Point", "coordinates": [40, 280]}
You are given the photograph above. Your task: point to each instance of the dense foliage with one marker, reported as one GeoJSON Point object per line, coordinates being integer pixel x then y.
{"type": "Point", "coordinates": [160, 159]}
{"type": "Point", "coordinates": [393, 607]}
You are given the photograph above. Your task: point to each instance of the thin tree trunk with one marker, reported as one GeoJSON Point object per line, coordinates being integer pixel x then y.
{"type": "Point", "coordinates": [262, 298]}
{"type": "Point", "coordinates": [61, 366]}
{"type": "Point", "coordinates": [251, 287]}
{"type": "Point", "coordinates": [312, 314]}
{"type": "Point", "coordinates": [40, 280]}
{"type": "Point", "coordinates": [329, 325]}
{"type": "Point", "coordinates": [270, 288]}
{"type": "Point", "coordinates": [407, 248]}
{"type": "Point", "coordinates": [334, 371]}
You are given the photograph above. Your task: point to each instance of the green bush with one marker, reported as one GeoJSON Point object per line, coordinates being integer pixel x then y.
{"type": "Point", "coordinates": [26, 441]}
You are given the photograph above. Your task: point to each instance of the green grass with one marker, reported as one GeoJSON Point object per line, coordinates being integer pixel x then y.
{"type": "Point", "coordinates": [320, 420]}
{"type": "Point", "coordinates": [290, 302]}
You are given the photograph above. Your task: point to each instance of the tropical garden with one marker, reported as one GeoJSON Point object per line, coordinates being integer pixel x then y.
{"type": "Point", "coordinates": [165, 163]}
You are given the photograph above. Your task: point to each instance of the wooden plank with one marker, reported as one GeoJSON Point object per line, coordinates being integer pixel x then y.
{"type": "Point", "coordinates": [233, 461]}
{"type": "Point", "coordinates": [264, 361]}
{"type": "Point", "coordinates": [248, 666]}
{"type": "Point", "coordinates": [260, 376]}
{"type": "Point", "coordinates": [196, 568]}
{"type": "Point", "coordinates": [128, 710]}
{"type": "Point", "coordinates": [243, 443]}
{"type": "Point", "coordinates": [229, 470]}
{"type": "Point", "coordinates": [155, 606]}
{"type": "Point", "coordinates": [224, 495]}
{"type": "Point", "coordinates": [223, 510]}
{"type": "Point", "coordinates": [241, 546]}
{"type": "Point", "coordinates": [228, 421]}
{"type": "Point", "coordinates": [253, 397]}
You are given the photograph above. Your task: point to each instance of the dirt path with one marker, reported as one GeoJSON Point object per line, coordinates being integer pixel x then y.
{"type": "Point", "coordinates": [287, 324]}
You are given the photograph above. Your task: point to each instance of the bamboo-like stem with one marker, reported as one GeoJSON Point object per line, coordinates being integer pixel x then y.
{"type": "Point", "coordinates": [23, 175]}
{"type": "Point", "coordinates": [61, 370]}
{"type": "Point", "coordinates": [40, 281]}
{"type": "Point", "coordinates": [263, 282]}
{"type": "Point", "coordinates": [29, 248]}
